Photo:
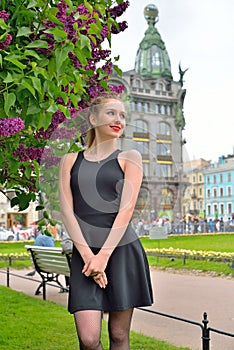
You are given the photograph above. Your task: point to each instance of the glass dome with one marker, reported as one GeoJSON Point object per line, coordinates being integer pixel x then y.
{"type": "Point", "coordinates": [152, 59]}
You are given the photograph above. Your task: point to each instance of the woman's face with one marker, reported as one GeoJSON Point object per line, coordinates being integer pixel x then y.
{"type": "Point", "coordinates": [110, 121]}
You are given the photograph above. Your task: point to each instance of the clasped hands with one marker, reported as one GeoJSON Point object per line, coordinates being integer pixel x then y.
{"type": "Point", "coordinates": [95, 267]}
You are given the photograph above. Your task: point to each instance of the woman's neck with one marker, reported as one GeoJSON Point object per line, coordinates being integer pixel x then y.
{"type": "Point", "coordinates": [101, 149]}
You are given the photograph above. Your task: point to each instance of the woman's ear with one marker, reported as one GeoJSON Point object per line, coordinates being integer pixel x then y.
{"type": "Point", "coordinates": [92, 120]}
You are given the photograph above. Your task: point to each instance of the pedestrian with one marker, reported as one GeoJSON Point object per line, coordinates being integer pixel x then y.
{"type": "Point", "coordinates": [98, 191]}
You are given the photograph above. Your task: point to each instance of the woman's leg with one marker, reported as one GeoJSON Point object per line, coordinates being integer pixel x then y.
{"type": "Point", "coordinates": [88, 327]}
{"type": "Point", "coordinates": [119, 325]}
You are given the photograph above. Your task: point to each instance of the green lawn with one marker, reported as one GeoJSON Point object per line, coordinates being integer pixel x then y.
{"type": "Point", "coordinates": [216, 242]}
{"type": "Point", "coordinates": [206, 242]}
{"type": "Point", "coordinates": [29, 323]}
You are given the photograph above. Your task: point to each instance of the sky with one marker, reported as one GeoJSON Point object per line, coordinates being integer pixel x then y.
{"type": "Point", "coordinates": [199, 34]}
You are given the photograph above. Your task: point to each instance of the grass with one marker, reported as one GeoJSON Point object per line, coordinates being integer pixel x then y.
{"type": "Point", "coordinates": [29, 323]}
{"type": "Point", "coordinates": [216, 242]}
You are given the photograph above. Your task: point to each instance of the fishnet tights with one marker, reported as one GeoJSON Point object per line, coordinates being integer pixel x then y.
{"type": "Point", "coordinates": [88, 326]}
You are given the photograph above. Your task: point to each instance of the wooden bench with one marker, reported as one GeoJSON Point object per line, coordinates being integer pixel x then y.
{"type": "Point", "coordinates": [50, 262]}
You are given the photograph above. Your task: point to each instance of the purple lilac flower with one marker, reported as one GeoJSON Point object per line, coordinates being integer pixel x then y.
{"type": "Point", "coordinates": [57, 118]}
{"type": "Point", "coordinates": [48, 159]}
{"type": "Point", "coordinates": [82, 10]}
{"type": "Point", "coordinates": [118, 10]}
{"type": "Point", "coordinates": [4, 15]}
{"type": "Point", "coordinates": [104, 32]}
{"type": "Point", "coordinates": [122, 26]}
{"type": "Point", "coordinates": [5, 43]}
{"type": "Point", "coordinates": [63, 133]}
{"type": "Point", "coordinates": [117, 88]}
{"type": "Point", "coordinates": [29, 153]}
{"type": "Point", "coordinates": [10, 126]}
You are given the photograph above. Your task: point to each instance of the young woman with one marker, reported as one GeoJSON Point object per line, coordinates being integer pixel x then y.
{"type": "Point", "coordinates": [98, 192]}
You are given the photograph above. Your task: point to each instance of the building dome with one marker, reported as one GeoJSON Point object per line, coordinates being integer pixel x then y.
{"type": "Point", "coordinates": [152, 60]}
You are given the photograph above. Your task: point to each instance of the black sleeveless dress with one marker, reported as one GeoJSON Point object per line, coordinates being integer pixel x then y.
{"type": "Point", "coordinates": [96, 188]}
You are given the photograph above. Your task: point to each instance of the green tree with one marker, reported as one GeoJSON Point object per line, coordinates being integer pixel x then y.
{"type": "Point", "coordinates": [52, 62]}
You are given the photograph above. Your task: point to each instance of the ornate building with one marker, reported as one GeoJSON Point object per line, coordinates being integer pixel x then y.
{"type": "Point", "coordinates": [155, 123]}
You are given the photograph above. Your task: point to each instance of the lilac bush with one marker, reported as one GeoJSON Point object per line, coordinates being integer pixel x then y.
{"type": "Point", "coordinates": [52, 62]}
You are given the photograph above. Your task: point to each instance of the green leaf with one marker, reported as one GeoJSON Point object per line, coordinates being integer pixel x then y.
{"type": "Point", "coordinates": [32, 4]}
{"type": "Point", "coordinates": [15, 61]}
{"type": "Point", "coordinates": [37, 84]}
{"type": "Point", "coordinates": [39, 207]}
{"type": "Point", "coordinates": [8, 78]}
{"type": "Point", "coordinates": [14, 202]}
{"type": "Point", "coordinates": [28, 172]}
{"type": "Point", "coordinates": [9, 101]}
{"type": "Point", "coordinates": [85, 42]}
{"type": "Point", "coordinates": [24, 31]}
{"type": "Point", "coordinates": [0, 60]}
{"type": "Point", "coordinates": [28, 86]}
{"type": "Point", "coordinates": [61, 55]}
{"type": "Point", "coordinates": [31, 53]}
{"type": "Point", "coordinates": [118, 70]}
{"type": "Point", "coordinates": [59, 35]}
{"type": "Point", "coordinates": [38, 44]}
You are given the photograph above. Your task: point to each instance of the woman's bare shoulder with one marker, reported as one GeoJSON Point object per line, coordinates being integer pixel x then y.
{"type": "Point", "coordinates": [68, 159]}
{"type": "Point", "coordinates": [131, 155]}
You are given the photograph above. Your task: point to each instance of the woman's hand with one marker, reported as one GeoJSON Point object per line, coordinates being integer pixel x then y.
{"type": "Point", "coordinates": [101, 279]}
{"type": "Point", "coordinates": [95, 267]}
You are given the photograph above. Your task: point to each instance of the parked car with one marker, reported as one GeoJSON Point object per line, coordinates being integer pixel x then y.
{"type": "Point", "coordinates": [25, 233]}
{"type": "Point", "coordinates": [6, 235]}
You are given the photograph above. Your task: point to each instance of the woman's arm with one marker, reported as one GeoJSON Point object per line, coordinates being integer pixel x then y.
{"type": "Point", "coordinates": [131, 163]}
{"type": "Point", "coordinates": [69, 219]}
{"type": "Point", "coordinates": [66, 207]}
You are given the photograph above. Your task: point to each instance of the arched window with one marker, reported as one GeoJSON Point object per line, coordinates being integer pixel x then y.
{"type": "Point", "coordinates": [164, 129]}
{"type": "Point", "coordinates": [140, 126]}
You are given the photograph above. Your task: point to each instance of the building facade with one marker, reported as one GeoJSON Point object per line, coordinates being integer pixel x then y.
{"type": "Point", "coordinates": [155, 123]}
{"type": "Point", "coordinates": [219, 189]}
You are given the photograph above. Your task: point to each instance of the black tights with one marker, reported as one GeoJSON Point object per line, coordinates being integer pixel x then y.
{"type": "Point", "coordinates": [89, 323]}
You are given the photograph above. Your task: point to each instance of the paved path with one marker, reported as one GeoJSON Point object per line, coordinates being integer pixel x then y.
{"type": "Point", "coordinates": [183, 295]}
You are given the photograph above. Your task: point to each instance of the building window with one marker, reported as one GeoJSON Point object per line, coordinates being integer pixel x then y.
{"type": "Point", "coordinates": [139, 107]}
{"type": "Point", "coordinates": [221, 209]}
{"type": "Point", "coordinates": [146, 107]}
{"type": "Point", "coordinates": [164, 129]}
{"type": "Point", "coordinates": [214, 179]}
{"type": "Point", "coordinates": [229, 190]}
{"type": "Point", "coordinates": [163, 149]}
{"type": "Point", "coordinates": [164, 170]}
{"type": "Point", "coordinates": [145, 167]}
{"type": "Point", "coordinates": [215, 209]}
{"type": "Point", "coordinates": [229, 208]}
{"type": "Point", "coordinates": [162, 109]}
{"type": "Point", "coordinates": [168, 110]}
{"type": "Point", "coordinates": [194, 178]}
{"type": "Point", "coordinates": [157, 109]}
{"type": "Point", "coordinates": [221, 192]}
{"type": "Point", "coordinates": [133, 106]}
{"type": "Point", "coordinates": [140, 126]}
{"type": "Point", "coordinates": [215, 192]}
{"type": "Point", "coordinates": [208, 179]}
{"type": "Point", "coordinates": [221, 178]}
{"type": "Point", "coordinates": [200, 191]}
{"type": "Point", "coordinates": [229, 177]}
{"type": "Point", "coordinates": [142, 147]}
{"type": "Point", "coordinates": [208, 210]}
{"type": "Point", "coordinates": [208, 193]}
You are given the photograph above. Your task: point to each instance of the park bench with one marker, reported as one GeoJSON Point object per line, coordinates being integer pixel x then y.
{"type": "Point", "coordinates": [50, 262]}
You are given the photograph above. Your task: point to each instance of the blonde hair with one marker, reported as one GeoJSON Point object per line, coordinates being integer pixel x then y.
{"type": "Point", "coordinates": [94, 108]}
